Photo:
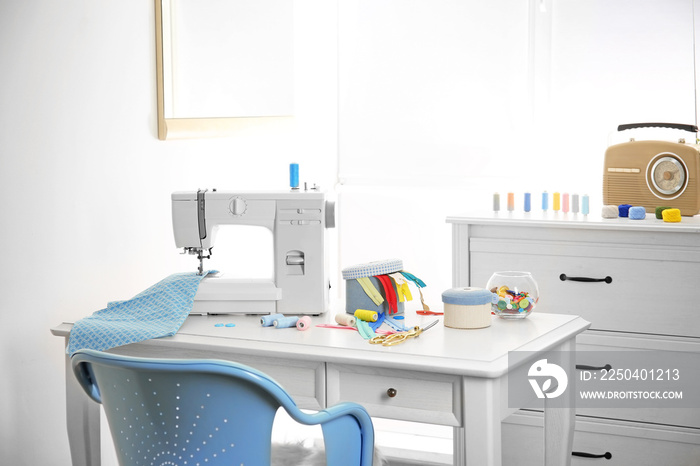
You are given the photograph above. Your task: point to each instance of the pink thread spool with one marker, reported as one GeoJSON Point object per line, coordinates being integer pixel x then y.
{"type": "Point", "coordinates": [304, 323]}
{"type": "Point", "coordinates": [565, 202]}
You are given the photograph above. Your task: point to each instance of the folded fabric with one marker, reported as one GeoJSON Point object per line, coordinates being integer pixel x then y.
{"type": "Point", "coordinates": [156, 312]}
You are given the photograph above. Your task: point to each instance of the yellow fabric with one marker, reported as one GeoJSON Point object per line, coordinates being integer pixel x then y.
{"type": "Point", "coordinates": [402, 290]}
{"type": "Point", "coordinates": [406, 292]}
{"type": "Point", "coordinates": [370, 289]}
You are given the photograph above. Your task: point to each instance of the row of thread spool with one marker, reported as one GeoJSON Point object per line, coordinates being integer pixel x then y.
{"type": "Point", "coordinates": [282, 321]}
{"type": "Point", "coordinates": [667, 214]}
{"type": "Point", "coordinates": [560, 202]}
{"type": "Point", "coordinates": [304, 322]}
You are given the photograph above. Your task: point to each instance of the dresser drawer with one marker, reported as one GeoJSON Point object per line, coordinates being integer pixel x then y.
{"type": "Point", "coordinates": [630, 444]}
{"type": "Point", "coordinates": [600, 348]}
{"type": "Point", "coordinates": [650, 292]}
{"type": "Point", "coordinates": [417, 396]}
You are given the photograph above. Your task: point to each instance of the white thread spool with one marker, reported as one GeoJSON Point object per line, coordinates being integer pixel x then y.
{"type": "Point", "coordinates": [610, 211]}
{"type": "Point", "coordinates": [345, 319]}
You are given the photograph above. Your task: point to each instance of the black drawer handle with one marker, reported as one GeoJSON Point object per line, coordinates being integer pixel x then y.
{"type": "Point", "coordinates": [564, 278]}
{"type": "Point", "coordinates": [583, 367]}
{"type": "Point", "coordinates": [607, 455]}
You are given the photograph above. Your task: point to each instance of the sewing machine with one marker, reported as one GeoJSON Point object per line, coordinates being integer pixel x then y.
{"type": "Point", "coordinates": [298, 220]}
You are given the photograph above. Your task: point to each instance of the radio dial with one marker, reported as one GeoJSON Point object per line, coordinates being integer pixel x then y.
{"type": "Point", "coordinates": [668, 175]}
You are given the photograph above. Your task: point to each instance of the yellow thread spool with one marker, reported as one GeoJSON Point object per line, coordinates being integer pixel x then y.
{"type": "Point", "coordinates": [366, 315]}
{"type": "Point", "coordinates": [557, 203]}
{"type": "Point", "coordinates": [671, 215]}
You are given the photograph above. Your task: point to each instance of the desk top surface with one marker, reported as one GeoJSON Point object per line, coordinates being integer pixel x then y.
{"type": "Point", "coordinates": [477, 352]}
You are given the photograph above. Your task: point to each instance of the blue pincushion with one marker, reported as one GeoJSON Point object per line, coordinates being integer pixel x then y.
{"type": "Point", "coordinates": [467, 296]}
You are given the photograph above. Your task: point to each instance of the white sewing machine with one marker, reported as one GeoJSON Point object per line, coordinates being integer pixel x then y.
{"type": "Point", "coordinates": [297, 219]}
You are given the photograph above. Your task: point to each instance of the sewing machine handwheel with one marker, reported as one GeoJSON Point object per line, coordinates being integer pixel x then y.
{"type": "Point", "coordinates": [391, 393]}
{"type": "Point", "coordinates": [330, 214]}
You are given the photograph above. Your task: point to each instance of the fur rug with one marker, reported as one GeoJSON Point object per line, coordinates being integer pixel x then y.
{"type": "Point", "coordinates": [294, 454]}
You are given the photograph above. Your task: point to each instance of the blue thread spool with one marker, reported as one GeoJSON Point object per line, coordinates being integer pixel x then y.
{"type": "Point", "coordinates": [527, 202]}
{"type": "Point", "coordinates": [294, 175]}
{"type": "Point", "coordinates": [624, 210]}
{"type": "Point", "coordinates": [585, 208]}
{"type": "Point", "coordinates": [637, 213]}
{"type": "Point", "coordinates": [285, 322]}
{"type": "Point", "coordinates": [268, 321]}
{"type": "Point", "coordinates": [545, 201]}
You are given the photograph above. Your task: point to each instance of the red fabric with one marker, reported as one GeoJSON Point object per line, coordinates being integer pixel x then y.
{"type": "Point", "coordinates": [389, 293]}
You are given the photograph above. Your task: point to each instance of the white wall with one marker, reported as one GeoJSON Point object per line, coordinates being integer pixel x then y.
{"type": "Point", "coordinates": [85, 183]}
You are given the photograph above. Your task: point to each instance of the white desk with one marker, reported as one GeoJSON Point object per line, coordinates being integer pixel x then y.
{"type": "Point", "coordinates": [446, 376]}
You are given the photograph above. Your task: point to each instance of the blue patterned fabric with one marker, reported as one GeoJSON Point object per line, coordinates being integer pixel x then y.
{"type": "Point", "coordinates": [156, 312]}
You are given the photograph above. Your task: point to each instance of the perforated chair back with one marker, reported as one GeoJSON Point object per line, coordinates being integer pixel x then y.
{"type": "Point", "coordinates": [207, 412]}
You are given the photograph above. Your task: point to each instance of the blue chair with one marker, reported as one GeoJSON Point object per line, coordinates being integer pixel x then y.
{"type": "Point", "coordinates": [207, 412]}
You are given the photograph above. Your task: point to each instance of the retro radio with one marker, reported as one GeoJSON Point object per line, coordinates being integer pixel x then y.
{"type": "Point", "coordinates": [653, 173]}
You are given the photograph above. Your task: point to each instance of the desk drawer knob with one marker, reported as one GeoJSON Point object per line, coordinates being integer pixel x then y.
{"type": "Point", "coordinates": [563, 277]}
{"type": "Point", "coordinates": [391, 393]}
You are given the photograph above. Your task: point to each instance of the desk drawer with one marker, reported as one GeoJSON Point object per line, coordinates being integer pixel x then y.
{"type": "Point", "coordinates": [630, 444]}
{"type": "Point", "coordinates": [650, 290]}
{"type": "Point", "coordinates": [303, 380]}
{"type": "Point", "coordinates": [418, 396]}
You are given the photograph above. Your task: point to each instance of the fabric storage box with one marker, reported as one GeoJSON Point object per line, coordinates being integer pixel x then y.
{"type": "Point", "coordinates": [380, 286]}
{"type": "Point", "coordinates": [356, 298]}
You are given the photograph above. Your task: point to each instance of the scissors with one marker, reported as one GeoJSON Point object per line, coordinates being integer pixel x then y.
{"type": "Point", "coordinates": [397, 338]}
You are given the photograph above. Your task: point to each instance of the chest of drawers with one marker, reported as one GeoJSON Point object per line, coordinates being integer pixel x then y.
{"type": "Point", "coordinates": [636, 281]}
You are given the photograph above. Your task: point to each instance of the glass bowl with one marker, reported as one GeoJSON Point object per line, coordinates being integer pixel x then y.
{"type": "Point", "coordinates": [514, 294]}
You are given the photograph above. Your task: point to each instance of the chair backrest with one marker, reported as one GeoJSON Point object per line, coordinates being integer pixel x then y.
{"type": "Point", "coordinates": [206, 412]}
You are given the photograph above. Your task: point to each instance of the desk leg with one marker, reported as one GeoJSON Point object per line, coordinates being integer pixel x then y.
{"type": "Point", "coordinates": [83, 422]}
{"type": "Point", "coordinates": [478, 443]}
{"type": "Point", "coordinates": [559, 423]}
